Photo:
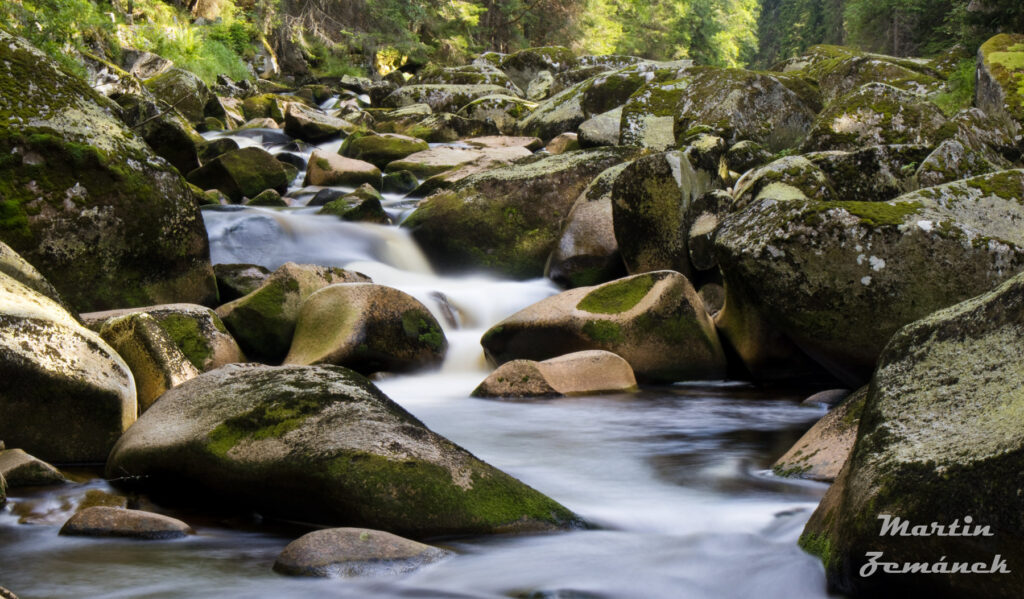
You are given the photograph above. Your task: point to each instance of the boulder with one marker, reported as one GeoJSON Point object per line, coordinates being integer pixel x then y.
{"type": "Point", "coordinates": [872, 174]}
{"type": "Point", "coordinates": [746, 155]}
{"type": "Point", "coordinates": [335, 170]}
{"type": "Point", "coordinates": [949, 162]}
{"type": "Point", "coordinates": [586, 252]}
{"type": "Point", "coordinates": [601, 130]}
{"type": "Point", "coordinates": [362, 205]}
{"type": "Point", "coordinates": [702, 220]}
{"type": "Point", "coordinates": [85, 200]}
{"type": "Point", "coordinates": [774, 110]}
{"type": "Point", "coordinates": [186, 93]}
{"type": "Point", "coordinates": [648, 116]}
{"type": "Point", "coordinates": [471, 74]}
{"type": "Point", "coordinates": [368, 328]}
{"type": "Point", "coordinates": [565, 142]}
{"type": "Point", "coordinates": [580, 373]}
{"type": "Point", "coordinates": [823, 450]}
{"type": "Point", "coordinates": [445, 127]}
{"type": "Point", "coordinates": [154, 359]}
{"type": "Point", "coordinates": [940, 441]}
{"type": "Point", "coordinates": [503, 110]}
{"type": "Point", "coordinates": [243, 173]}
{"type": "Point", "coordinates": [268, 198]}
{"type": "Point", "coordinates": [67, 396]}
{"type": "Point", "coordinates": [103, 521]}
{"type": "Point", "coordinates": [845, 75]}
{"type": "Point", "coordinates": [236, 280]}
{"type": "Point", "coordinates": [655, 321]}
{"type": "Point", "coordinates": [263, 321]}
{"type": "Point", "coordinates": [651, 202]}
{"type": "Point", "coordinates": [506, 219]}
{"type": "Point", "coordinates": [379, 150]}
{"type": "Point", "coordinates": [264, 106]}
{"type": "Point", "coordinates": [828, 398]}
{"type": "Point", "coordinates": [20, 469]}
{"type": "Point", "coordinates": [523, 66]}
{"type": "Point", "coordinates": [323, 445]}
{"type": "Point", "coordinates": [561, 113]}
{"type": "Point", "coordinates": [14, 266]}
{"type": "Point", "coordinates": [441, 97]}
{"type": "Point", "coordinates": [313, 126]}
{"type": "Point", "coordinates": [196, 330]}
{"type": "Point", "coordinates": [877, 114]}
{"type": "Point", "coordinates": [170, 135]}
{"type": "Point", "coordinates": [540, 86]}
{"type": "Point", "coordinates": [400, 182]}
{"type": "Point", "coordinates": [1000, 67]}
{"type": "Point", "coordinates": [790, 176]}
{"type": "Point", "coordinates": [840, 278]}
{"type": "Point", "coordinates": [354, 552]}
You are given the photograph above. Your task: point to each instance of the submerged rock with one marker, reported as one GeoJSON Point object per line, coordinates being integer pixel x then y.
{"type": "Point", "coordinates": [102, 521]}
{"type": "Point", "coordinates": [940, 441]}
{"type": "Point", "coordinates": [320, 444]}
{"type": "Point", "coordinates": [580, 373]}
{"type": "Point", "coordinates": [354, 552]}
{"type": "Point", "coordinates": [67, 396]}
{"type": "Point", "coordinates": [655, 321]}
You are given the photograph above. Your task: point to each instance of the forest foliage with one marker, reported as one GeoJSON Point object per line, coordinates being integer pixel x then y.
{"type": "Point", "coordinates": [335, 37]}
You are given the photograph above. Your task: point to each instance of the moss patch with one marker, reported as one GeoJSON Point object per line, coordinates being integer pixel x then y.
{"type": "Point", "coordinates": [269, 420]}
{"type": "Point", "coordinates": [618, 297]}
{"type": "Point", "coordinates": [603, 331]}
{"type": "Point", "coordinates": [186, 334]}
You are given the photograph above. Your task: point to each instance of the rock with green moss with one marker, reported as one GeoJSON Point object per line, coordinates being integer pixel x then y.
{"type": "Point", "coordinates": [503, 110]}
{"type": "Point", "coordinates": [655, 321]}
{"type": "Point", "coordinates": [746, 155]}
{"type": "Point", "coordinates": [329, 169]}
{"type": "Point", "coordinates": [651, 200]}
{"type": "Point", "coordinates": [844, 75]}
{"type": "Point", "coordinates": [506, 219]}
{"type": "Point", "coordinates": [558, 114]}
{"type": "Point", "coordinates": [236, 280]}
{"type": "Point", "coordinates": [823, 450]}
{"type": "Point", "coordinates": [362, 205]}
{"type": "Point", "coordinates": [213, 148]}
{"type": "Point", "coordinates": [478, 159]}
{"type": "Point", "coordinates": [872, 174]}
{"type": "Point", "coordinates": [196, 330]}
{"type": "Point", "coordinates": [435, 161]}
{"type": "Point", "coordinates": [186, 93]}
{"type": "Point", "coordinates": [320, 444]}
{"type": "Point", "coordinates": [368, 328]}
{"type": "Point", "coordinates": [587, 252]}
{"type": "Point", "coordinates": [601, 130]}
{"type": "Point", "coordinates": [263, 321]}
{"type": "Point", "coordinates": [74, 181]}
{"type": "Point", "coordinates": [648, 116]}
{"type": "Point", "coordinates": [840, 278]}
{"type": "Point", "coordinates": [382, 149]}
{"type": "Point", "coordinates": [796, 175]}
{"type": "Point", "coordinates": [471, 74]}
{"type": "Point", "coordinates": [562, 143]}
{"type": "Point", "coordinates": [523, 66]}
{"type": "Point", "coordinates": [580, 373]}
{"type": "Point", "coordinates": [20, 469]}
{"type": "Point", "coordinates": [354, 552]}
{"type": "Point", "coordinates": [441, 97]}
{"type": "Point", "coordinates": [949, 162]}
{"type": "Point", "coordinates": [701, 223]}
{"type": "Point", "coordinates": [264, 106]}
{"type": "Point", "coordinates": [67, 396]}
{"type": "Point", "coordinates": [878, 114]}
{"type": "Point", "coordinates": [774, 110]}
{"type": "Point", "coordinates": [170, 135]}
{"type": "Point", "coordinates": [16, 267]}
{"type": "Point", "coordinates": [540, 87]}
{"type": "Point", "coordinates": [153, 357]}
{"type": "Point", "coordinates": [313, 126]}
{"type": "Point", "coordinates": [1000, 79]}
{"type": "Point", "coordinates": [269, 198]}
{"type": "Point", "coordinates": [997, 136]}
{"type": "Point", "coordinates": [445, 127]}
{"type": "Point", "coordinates": [400, 182]}
{"type": "Point", "coordinates": [940, 440]}
{"type": "Point", "coordinates": [243, 173]}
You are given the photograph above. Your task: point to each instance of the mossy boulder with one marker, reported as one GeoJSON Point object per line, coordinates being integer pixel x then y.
{"type": "Point", "coordinates": [324, 445]}
{"type": "Point", "coordinates": [480, 158]}
{"type": "Point", "coordinates": [187, 93]}
{"type": "Point", "coordinates": [268, 198]}
{"type": "Point", "coordinates": [941, 441]}
{"type": "Point", "coordinates": [794, 174]}
{"type": "Point", "coordinates": [368, 328]}
{"type": "Point", "coordinates": [872, 174]}
{"type": "Point", "coordinates": [236, 280]}
{"type": "Point", "coordinates": [540, 87]}
{"type": "Point", "coordinates": [824, 449]}
{"type": "Point", "coordinates": [776, 111]}
{"type": "Point", "coordinates": [243, 173]}
{"type": "Point", "coordinates": [264, 106]}
{"type": "Point", "coordinates": [213, 148]}
{"type": "Point", "coordinates": [440, 97]}
{"type": "Point", "coordinates": [445, 127]}
{"type": "Point", "coordinates": [363, 205]}
{"type": "Point", "coordinates": [170, 136]}
{"type": "Point", "coordinates": [506, 219]}
{"type": "Point", "coordinates": [1000, 79]}
{"type": "Point", "coordinates": [196, 330]}
{"type": "Point", "coordinates": [601, 129]}
{"type": "Point", "coordinates": [382, 149]}
{"type": "Point", "coordinates": [840, 278]}
{"type": "Point", "coordinates": [746, 155]}
{"type": "Point", "coordinates": [845, 75]}
{"type": "Point", "coordinates": [75, 183]}
{"type": "Point", "coordinates": [655, 321]}
{"type": "Point", "coordinates": [503, 110]}
{"type": "Point", "coordinates": [312, 125]}
{"type": "Point", "coordinates": [523, 66]}
{"type": "Point", "coordinates": [562, 143]}
{"type": "Point", "coordinates": [951, 161]}
{"type": "Point", "coordinates": [153, 357]}
{"type": "Point", "coordinates": [471, 74]}
{"type": "Point", "coordinates": [16, 267]}
{"type": "Point", "coordinates": [263, 321]}
{"type": "Point", "coordinates": [329, 169]}
{"type": "Point", "coordinates": [878, 114]}
{"type": "Point", "coordinates": [587, 252]}
{"type": "Point", "coordinates": [558, 114]}
{"type": "Point", "coordinates": [651, 199]}
{"type": "Point", "coordinates": [648, 116]}
{"type": "Point", "coordinates": [581, 373]}
{"type": "Point", "coordinates": [67, 396]}
{"type": "Point", "coordinates": [354, 552]}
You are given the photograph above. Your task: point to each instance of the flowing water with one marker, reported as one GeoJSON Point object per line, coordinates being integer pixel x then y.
{"type": "Point", "coordinates": [674, 479]}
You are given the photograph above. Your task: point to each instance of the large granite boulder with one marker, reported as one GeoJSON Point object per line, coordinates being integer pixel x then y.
{"type": "Point", "coordinates": [67, 396]}
{"type": "Point", "coordinates": [939, 445]}
{"type": "Point", "coordinates": [441, 97]}
{"type": "Point", "coordinates": [243, 173]}
{"type": "Point", "coordinates": [655, 321]}
{"type": "Point", "coordinates": [85, 200]}
{"type": "Point", "coordinates": [1000, 68]}
{"type": "Point", "coordinates": [320, 444]}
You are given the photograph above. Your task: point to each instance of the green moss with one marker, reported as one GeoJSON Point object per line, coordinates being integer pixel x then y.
{"type": "Point", "coordinates": [186, 334]}
{"type": "Point", "coordinates": [618, 297]}
{"type": "Point", "coordinates": [271, 419]}
{"type": "Point", "coordinates": [818, 545]}
{"type": "Point", "coordinates": [603, 331]}
{"type": "Point", "coordinates": [873, 214]}
{"type": "Point", "coordinates": [421, 326]}
{"type": "Point", "coordinates": [1005, 185]}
